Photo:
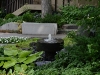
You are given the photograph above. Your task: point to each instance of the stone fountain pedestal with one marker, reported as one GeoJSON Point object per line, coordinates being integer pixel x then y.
{"type": "Point", "coordinates": [49, 47]}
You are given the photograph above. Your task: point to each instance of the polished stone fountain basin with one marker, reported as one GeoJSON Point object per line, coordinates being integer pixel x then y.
{"type": "Point", "coordinates": [50, 47]}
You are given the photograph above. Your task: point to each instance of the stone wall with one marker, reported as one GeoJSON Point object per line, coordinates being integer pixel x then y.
{"type": "Point", "coordinates": [39, 28]}
{"type": "Point", "coordinates": [9, 26]}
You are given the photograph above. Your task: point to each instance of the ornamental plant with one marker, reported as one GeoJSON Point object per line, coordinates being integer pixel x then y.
{"type": "Point", "coordinates": [10, 15]}
{"type": "Point", "coordinates": [17, 59]}
{"type": "Point", "coordinates": [72, 14]}
{"type": "Point", "coordinates": [15, 19]}
{"type": "Point", "coordinates": [12, 39]}
{"type": "Point", "coordinates": [26, 44]}
{"type": "Point", "coordinates": [28, 17]}
{"type": "Point", "coordinates": [21, 72]}
{"type": "Point", "coordinates": [91, 21]}
{"type": "Point", "coordinates": [52, 18]}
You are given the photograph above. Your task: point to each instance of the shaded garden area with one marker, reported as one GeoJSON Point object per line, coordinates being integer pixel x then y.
{"type": "Point", "coordinates": [80, 56]}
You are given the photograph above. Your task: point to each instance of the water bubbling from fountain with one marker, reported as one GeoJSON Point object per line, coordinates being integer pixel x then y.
{"type": "Point", "coordinates": [50, 39]}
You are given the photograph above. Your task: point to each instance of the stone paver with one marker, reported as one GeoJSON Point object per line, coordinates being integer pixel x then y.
{"type": "Point", "coordinates": [23, 35]}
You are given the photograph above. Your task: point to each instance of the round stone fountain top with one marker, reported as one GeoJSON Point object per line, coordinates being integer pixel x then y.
{"type": "Point", "coordinates": [50, 46]}
{"type": "Point", "coordinates": [51, 41]}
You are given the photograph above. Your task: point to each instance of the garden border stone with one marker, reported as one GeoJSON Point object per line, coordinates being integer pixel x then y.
{"type": "Point", "coordinates": [39, 28]}
{"type": "Point", "coordinates": [9, 26]}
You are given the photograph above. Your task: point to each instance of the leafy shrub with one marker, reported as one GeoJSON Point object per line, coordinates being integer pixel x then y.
{"type": "Point", "coordinates": [10, 15]}
{"type": "Point", "coordinates": [15, 19]}
{"type": "Point", "coordinates": [52, 18]}
{"type": "Point", "coordinates": [91, 20]}
{"type": "Point", "coordinates": [2, 13]}
{"type": "Point", "coordinates": [28, 17]}
{"type": "Point", "coordinates": [49, 71]}
{"type": "Point", "coordinates": [77, 71]}
{"type": "Point", "coordinates": [25, 44]}
{"type": "Point", "coordinates": [37, 17]}
{"type": "Point", "coordinates": [82, 16]}
{"type": "Point", "coordinates": [1, 19]}
{"type": "Point", "coordinates": [71, 14]}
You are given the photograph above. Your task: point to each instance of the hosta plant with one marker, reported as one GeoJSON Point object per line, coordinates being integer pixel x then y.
{"type": "Point", "coordinates": [17, 59]}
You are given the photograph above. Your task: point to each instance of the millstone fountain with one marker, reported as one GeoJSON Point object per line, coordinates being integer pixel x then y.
{"type": "Point", "coordinates": [50, 46]}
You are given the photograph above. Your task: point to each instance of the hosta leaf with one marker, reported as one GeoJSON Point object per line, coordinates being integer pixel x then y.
{"type": "Point", "coordinates": [2, 58]}
{"type": "Point", "coordinates": [9, 58]}
{"type": "Point", "coordinates": [11, 52]}
{"type": "Point", "coordinates": [21, 59]}
{"type": "Point", "coordinates": [20, 67]}
{"type": "Point", "coordinates": [24, 66]}
{"type": "Point", "coordinates": [5, 58]}
{"type": "Point", "coordinates": [24, 53]}
{"type": "Point", "coordinates": [31, 72]}
{"type": "Point", "coordinates": [2, 62]}
{"type": "Point", "coordinates": [9, 64]}
{"type": "Point", "coordinates": [10, 72]}
{"type": "Point", "coordinates": [33, 57]}
{"type": "Point", "coordinates": [17, 67]}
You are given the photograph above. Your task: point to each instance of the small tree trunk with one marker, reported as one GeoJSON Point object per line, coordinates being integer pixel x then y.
{"type": "Point", "coordinates": [46, 7]}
